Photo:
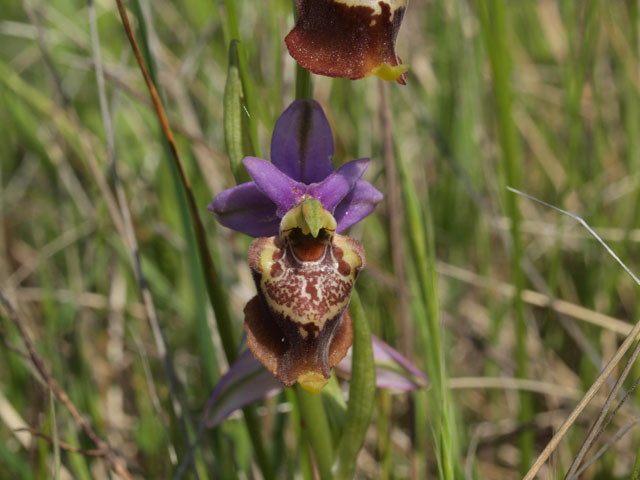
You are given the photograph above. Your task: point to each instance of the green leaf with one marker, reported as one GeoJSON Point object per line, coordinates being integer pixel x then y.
{"type": "Point", "coordinates": [237, 138]}
{"type": "Point", "coordinates": [361, 393]}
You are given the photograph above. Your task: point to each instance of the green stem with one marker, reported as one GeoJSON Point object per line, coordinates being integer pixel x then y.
{"type": "Point", "coordinates": [316, 427]}
{"type": "Point", "coordinates": [304, 88]}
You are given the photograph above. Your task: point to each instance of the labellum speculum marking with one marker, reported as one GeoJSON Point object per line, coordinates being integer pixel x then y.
{"type": "Point", "coordinates": [298, 326]}
{"type": "Point", "coordinates": [348, 38]}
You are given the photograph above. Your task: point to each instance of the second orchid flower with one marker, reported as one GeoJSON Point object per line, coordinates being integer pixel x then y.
{"type": "Point", "coordinates": [349, 38]}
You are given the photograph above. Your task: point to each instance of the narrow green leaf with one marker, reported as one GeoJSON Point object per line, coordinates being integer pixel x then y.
{"type": "Point", "coordinates": [494, 22]}
{"type": "Point", "coordinates": [361, 393]}
{"type": "Point", "coordinates": [422, 242]}
{"type": "Point", "coordinates": [247, 81]}
{"type": "Point", "coordinates": [237, 138]}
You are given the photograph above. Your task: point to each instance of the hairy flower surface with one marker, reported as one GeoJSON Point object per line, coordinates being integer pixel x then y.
{"type": "Point", "coordinates": [348, 38]}
{"type": "Point", "coordinates": [298, 325]}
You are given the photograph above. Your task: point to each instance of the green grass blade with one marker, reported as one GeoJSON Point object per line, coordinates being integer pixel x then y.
{"type": "Point", "coordinates": [420, 231]}
{"type": "Point", "coordinates": [494, 28]}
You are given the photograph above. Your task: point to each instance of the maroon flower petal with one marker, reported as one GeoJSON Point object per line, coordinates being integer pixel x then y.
{"type": "Point", "coordinates": [301, 144]}
{"type": "Point", "coordinates": [286, 360]}
{"type": "Point", "coordinates": [337, 185]}
{"type": "Point", "coordinates": [246, 209]}
{"type": "Point", "coordinates": [348, 38]}
{"type": "Point", "coordinates": [358, 204]}
{"type": "Point", "coordinates": [282, 190]}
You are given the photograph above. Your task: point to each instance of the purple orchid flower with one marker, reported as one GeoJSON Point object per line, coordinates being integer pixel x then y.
{"type": "Point", "coordinates": [300, 167]}
{"type": "Point", "coordinates": [247, 380]}
{"type": "Point", "coordinates": [298, 326]}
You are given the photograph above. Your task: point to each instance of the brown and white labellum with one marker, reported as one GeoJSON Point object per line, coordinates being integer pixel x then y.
{"type": "Point", "coordinates": [348, 38]}
{"type": "Point", "coordinates": [298, 325]}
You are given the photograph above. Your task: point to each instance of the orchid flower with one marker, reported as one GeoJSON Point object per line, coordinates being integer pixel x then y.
{"type": "Point", "coordinates": [298, 326]}
{"type": "Point", "coordinates": [348, 38]}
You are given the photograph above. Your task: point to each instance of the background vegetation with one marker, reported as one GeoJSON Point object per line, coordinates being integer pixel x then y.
{"type": "Point", "coordinates": [512, 308]}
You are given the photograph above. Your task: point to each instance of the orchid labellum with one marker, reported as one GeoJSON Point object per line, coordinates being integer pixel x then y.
{"type": "Point", "coordinates": [348, 38]}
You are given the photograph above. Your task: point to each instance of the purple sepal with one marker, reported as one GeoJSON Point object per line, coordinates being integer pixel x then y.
{"type": "Point", "coordinates": [282, 190]}
{"type": "Point", "coordinates": [247, 381]}
{"type": "Point", "coordinates": [301, 150]}
{"type": "Point", "coordinates": [337, 185]}
{"type": "Point", "coordinates": [386, 356]}
{"type": "Point", "coordinates": [393, 371]}
{"type": "Point", "coordinates": [358, 203]}
{"type": "Point", "coordinates": [246, 209]}
{"type": "Point", "coordinates": [301, 144]}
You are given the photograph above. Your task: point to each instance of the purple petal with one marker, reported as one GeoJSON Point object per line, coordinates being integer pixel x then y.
{"type": "Point", "coordinates": [246, 209]}
{"type": "Point", "coordinates": [337, 185]}
{"type": "Point", "coordinates": [301, 144]}
{"type": "Point", "coordinates": [281, 189]}
{"type": "Point", "coordinates": [393, 371]}
{"type": "Point", "coordinates": [247, 381]}
{"type": "Point", "coordinates": [359, 203]}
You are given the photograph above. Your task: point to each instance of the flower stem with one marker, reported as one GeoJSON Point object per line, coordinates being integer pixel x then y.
{"type": "Point", "coordinates": [314, 420]}
{"type": "Point", "coordinates": [304, 88]}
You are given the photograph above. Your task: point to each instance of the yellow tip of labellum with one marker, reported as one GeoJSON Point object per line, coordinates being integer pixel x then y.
{"type": "Point", "coordinates": [388, 72]}
{"type": "Point", "coordinates": [312, 382]}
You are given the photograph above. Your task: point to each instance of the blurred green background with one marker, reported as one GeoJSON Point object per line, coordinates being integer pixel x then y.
{"type": "Point", "coordinates": [540, 95]}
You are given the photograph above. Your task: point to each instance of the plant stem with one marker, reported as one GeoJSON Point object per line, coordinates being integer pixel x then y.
{"type": "Point", "coordinates": [314, 420]}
